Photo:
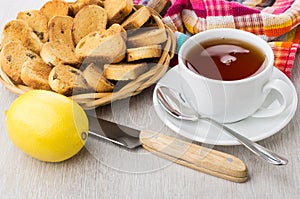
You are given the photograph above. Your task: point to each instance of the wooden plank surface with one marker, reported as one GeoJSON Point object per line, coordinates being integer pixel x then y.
{"type": "Point", "coordinates": [104, 170]}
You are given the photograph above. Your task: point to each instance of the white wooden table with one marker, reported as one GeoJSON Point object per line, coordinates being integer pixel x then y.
{"type": "Point", "coordinates": [104, 170]}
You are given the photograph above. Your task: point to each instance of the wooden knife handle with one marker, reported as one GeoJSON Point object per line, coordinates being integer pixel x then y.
{"type": "Point", "coordinates": [194, 156]}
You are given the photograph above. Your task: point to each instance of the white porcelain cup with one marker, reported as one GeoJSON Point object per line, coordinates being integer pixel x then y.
{"type": "Point", "coordinates": [231, 101]}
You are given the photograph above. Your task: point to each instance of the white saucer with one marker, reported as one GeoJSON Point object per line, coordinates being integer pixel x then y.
{"type": "Point", "coordinates": [253, 128]}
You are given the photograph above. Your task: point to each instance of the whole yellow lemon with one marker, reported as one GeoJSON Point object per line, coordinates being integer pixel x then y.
{"type": "Point", "coordinates": [47, 126]}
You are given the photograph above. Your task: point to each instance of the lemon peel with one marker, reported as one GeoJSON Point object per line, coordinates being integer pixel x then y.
{"type": "Point", "coordinates": [46, 125]}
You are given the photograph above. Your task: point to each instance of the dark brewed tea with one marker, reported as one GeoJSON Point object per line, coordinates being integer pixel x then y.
{"type": "Point", "coordinates": [225, 59]}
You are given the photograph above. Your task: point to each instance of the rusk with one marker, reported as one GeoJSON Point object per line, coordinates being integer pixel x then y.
{"type": "Point", "coordinates": [55, 53]}
{"type": "Point", "coordinates": [110, 49]}
{"type": "Point", "coordinates": [124, 71]}
{"type": "Point", "coordinates": [67, 80]}
{"type": "Point", "coordinates": [54, 8]}
{"type": "Point", "coordinates": [19, 30]}
{"type": "Point", "coordinates": [35, 74]}
{"type": "Point", "coordinates": [12, 57]}
{"type": "Point", "coordinates": [103, 46]}
{"type": "Point", "coordinates": [117, 10]}
{"type": "Point", "coordinates": [37, 21]}
{"type": "Point", "coordinates": [137, 19]}
{"type": "Point", "coordinates": [153, 51]}
{"type": "Point", "coordinates": [60, 29]}
{"type": "Point", "coordinates": [94, 77]}
{"type": "Point", "coordinates": [89, 19]}
{"type": "Point", "coordinates": [116, 29]}
{"type": "Point", "coordinates": [147, 37]}
{"type": "Point", "coordinates": [74, 7]}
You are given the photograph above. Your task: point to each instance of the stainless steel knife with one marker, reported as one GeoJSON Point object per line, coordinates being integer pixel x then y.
{"type": "Point", "coordinates": [214, 162]}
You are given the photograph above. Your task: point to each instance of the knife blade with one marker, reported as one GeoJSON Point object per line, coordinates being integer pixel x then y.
{"type": "Point", "coordinates": [213, 162]}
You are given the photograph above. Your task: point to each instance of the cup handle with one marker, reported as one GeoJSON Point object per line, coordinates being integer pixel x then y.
{"type": "Point", "coordinates": [286, 98]}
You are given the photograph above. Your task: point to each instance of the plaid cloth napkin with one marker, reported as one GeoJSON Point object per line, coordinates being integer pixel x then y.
{"type": "Point", "coordinates": [276, 21]}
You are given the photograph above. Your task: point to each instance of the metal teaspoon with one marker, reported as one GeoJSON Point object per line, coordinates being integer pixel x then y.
{"type": "Point", "coordinates": [172, 103]}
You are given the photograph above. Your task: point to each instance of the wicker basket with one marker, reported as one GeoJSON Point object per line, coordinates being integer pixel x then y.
{"type": "Point", "coordinates": [93, 100]}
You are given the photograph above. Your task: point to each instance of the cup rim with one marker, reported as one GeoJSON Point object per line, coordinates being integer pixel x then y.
{"type": "Point", "coordinates": [268, 52]}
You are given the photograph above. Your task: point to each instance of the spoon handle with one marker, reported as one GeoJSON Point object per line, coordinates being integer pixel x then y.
{"type": "Point", "coordinates": [259, 150]}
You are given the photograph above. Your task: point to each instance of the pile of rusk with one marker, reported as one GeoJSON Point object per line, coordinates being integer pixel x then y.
{"type": "Point", "coordinates": [87, 45]}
